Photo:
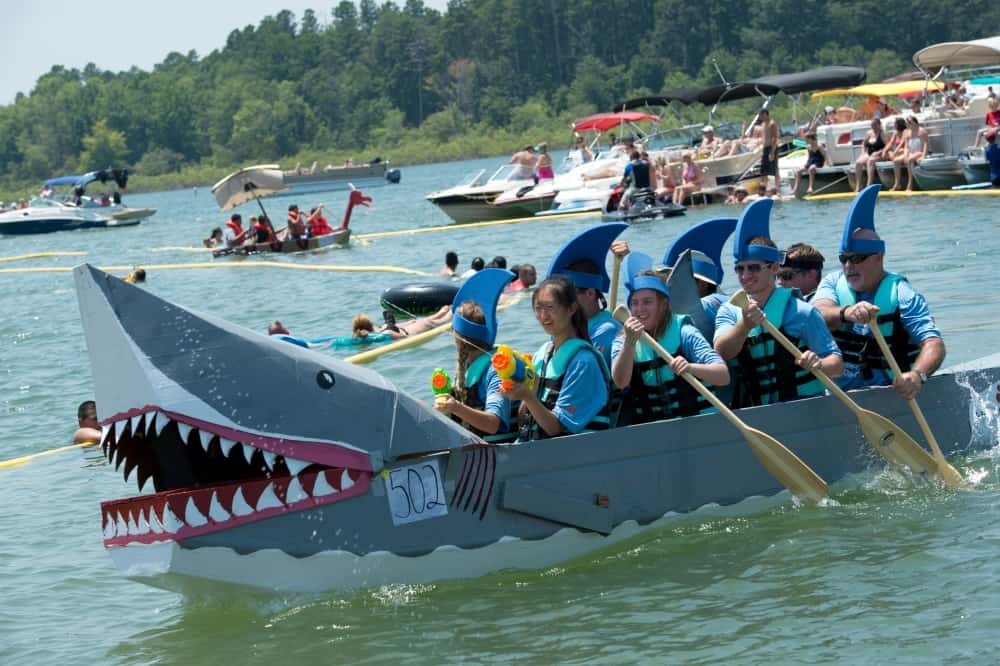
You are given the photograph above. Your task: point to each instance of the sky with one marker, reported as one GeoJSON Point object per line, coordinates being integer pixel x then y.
{"type": "Point", "coordinates": [117, 35]}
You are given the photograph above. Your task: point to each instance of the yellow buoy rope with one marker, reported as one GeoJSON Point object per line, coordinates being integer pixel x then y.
{"type": "Point", "coordinates": [42, 255]}
{"type": "Point", "coordinates": [239, 264]}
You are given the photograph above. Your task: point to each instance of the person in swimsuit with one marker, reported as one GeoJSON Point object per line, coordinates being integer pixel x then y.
{"type": "Point", "coordinates": [690, 179]}
{"type": "Point", "coordinates": [769, 159]}
{"type": "Point", "coordinates": [543, 167]}
{"type": "Point", "coordinates": [362, 325]}
{"type": "Point", "coordinates": [916, 149]}
{"type": "Point", "coordinates": [817, 158]}
{"type": "Point", "coordinates": [874, 145]}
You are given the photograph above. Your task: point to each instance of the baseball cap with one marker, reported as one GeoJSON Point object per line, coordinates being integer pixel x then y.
{"type": "Point", "coordinates": [707, 128]}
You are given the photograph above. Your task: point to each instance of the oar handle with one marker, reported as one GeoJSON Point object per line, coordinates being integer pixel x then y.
{"type": "Point", "coordinates": [621, 313]}
{"type": "Point", "coordinates": [615, 272]}
{"type": "Point", "coordinates": [739, 299]}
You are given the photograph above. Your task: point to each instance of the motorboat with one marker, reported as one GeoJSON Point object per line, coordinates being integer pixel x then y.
{"type": "Point", "coordinates": [469, 201]}
{"type": "Point", "coordinates": [938, 172]}
{"type": "Point", "coordinates": [108, 204]}
{"type": "Point", "coordinates": [42, 216]}
{"type": "Point", "coordinates": [302, 181]}
{"type": "Point", "coordinates": [975, 168]}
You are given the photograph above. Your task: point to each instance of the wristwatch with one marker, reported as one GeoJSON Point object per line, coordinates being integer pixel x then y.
{"type": "Point", "coordinates": [923, 376]}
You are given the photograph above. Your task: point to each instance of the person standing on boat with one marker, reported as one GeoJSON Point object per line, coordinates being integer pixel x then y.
{"type": "Point", "coordinates": [802, 269]}
{"type": "Point", "coordinates": [862, 292]}
{"type": "Point", "coordinates": [764, 373]}
{"type": "Point", "coordinates": [543, 165]}
{"type": "Point", "coordinates": [656, 389]}
{"type": "Point", "coordinates": [992, 155]}
{"type": "Point", "coordinates": [770, 137]}
{"type": "Point", "coordinates": [476, 400]}
{"type": "Point", "coordinates": [581, 260]}
{"type": "Point", "coordinates": [233, 234]}
{"type": "Point", "coordinates": [525, 159]}
{"type": "Point", "coordinates": [571, 388]}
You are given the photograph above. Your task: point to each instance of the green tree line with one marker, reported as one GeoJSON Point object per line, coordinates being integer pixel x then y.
{"type": "Point", "coordinates": [413, 84]}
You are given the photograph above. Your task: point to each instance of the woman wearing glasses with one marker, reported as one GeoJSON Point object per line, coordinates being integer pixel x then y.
{"type": "Point", "coordinates": [571, 389]}
{"type": "Point", "coordinates": [764, 372]}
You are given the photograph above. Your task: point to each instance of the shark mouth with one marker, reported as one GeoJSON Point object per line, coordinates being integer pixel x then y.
{"type": "Point", "coordinates": [209, 478]}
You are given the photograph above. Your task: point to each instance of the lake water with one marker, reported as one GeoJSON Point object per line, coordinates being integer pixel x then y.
{"type": "Point", "coordinates": [892, 574]}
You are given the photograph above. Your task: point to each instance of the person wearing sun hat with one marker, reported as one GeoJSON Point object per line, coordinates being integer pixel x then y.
{"type": "Point", "coordinates": [863, 291]}
{"type": "Point", "coordinates": [656, 389]}
{"type": "Point", "coordinates": [764, 372]}
{"type": "Point", "coordinates": [476, 401]}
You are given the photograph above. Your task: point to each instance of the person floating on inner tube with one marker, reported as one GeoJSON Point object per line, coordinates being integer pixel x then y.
{"type": "Point", "coordinates": [476, 400]}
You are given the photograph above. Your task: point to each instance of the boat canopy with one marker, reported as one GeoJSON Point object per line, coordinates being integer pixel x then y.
{"type": "Point", "coordinates": [248, 184]}
{"type": "Point", "coordinates": [898, 89]}
{"type": "Point", "coordinates": [682, 95]}
{"type": "Point", "coordinates": [601, 122]}
{"type": "Point", "coordinates": [836, 76]}
{"type": "Point", "coordinates": [734, 91]}
{"type": "Point", "coordinates": [948, 54]}
{"type": "Point", "coordinates": [119, 176]}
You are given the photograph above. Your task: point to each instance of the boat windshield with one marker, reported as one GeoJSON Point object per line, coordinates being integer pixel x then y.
{"type": "Point", "coordinates": [475, 180]}
{"type": "Point", "coordinates": [42, 202]}
{"type": "Point", "coordinates": [510, 172]}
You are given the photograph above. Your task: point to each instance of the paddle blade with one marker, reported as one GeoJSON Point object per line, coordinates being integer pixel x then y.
{"type": "Point", "coordinates": [786, 467]}
{"type": "Point", "coordinates": [894, 444]}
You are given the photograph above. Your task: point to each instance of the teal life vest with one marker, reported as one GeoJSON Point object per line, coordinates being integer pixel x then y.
{"type": "Point", "coordinates": [655, 392]}
{"type": "Point", "coordinates": [550, 369]}
{"type": "Point", "coordinates": [474, 375]}
{"type": "Point", "coordinates": [861, 349]}
{"type": "Point", "coordinates": [764, 371]}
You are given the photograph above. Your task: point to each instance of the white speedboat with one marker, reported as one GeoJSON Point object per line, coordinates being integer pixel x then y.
{"type": "Point", "coordinates": [469, 201]}
{"type": "Point", "coordinates": [44, 216]}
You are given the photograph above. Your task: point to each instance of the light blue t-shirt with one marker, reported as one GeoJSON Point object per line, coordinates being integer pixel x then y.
{"type": "Point", "coordinates": [712, 303]}
{"type": "Point", "coordinates": [694, 347]}
{"type": "Point", "coordinates": [602, 334]}
{"type": "Point", "coordinates": [494, 402]}
{"type": "Point", "coordinates": [801, 320]}
{"type": "Point", "coordinates": [913, 312]}
{"type": "Point", "coordinates": [584, 390]}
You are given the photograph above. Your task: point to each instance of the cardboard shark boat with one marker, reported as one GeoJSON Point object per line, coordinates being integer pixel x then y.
{"type": "Point", "coordinates": [281, 468]}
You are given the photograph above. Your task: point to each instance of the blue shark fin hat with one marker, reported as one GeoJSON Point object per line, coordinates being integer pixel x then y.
{"type": "Point", "coordinates": [705, 239]}
{"type": "Point", "coordinates": [755, 221]}
{"type": "Point", "coordinates": [636, 263]}
{"type": "Point", "coordinates": [483, 288]}
{"type": "Point", "coordinates": [592, 243]}
{"type": "Point", "coordinates": [862, 216]}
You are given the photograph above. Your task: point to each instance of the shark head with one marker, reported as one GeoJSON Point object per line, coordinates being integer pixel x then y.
{"type": "Point", "coordinates": [230, 425]}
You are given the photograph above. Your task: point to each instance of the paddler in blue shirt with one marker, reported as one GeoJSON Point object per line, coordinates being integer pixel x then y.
{"type": "Point", "coordinates": [656, 390]}
{"type": "Point", "coordinates": [705, 240]}
{"type": "Point", "coordinates": [863, 291]}
{"type": "Point", "coordinates": [763, 371]}
{"type": "Point", "coordinates": [581, 260]}
{"type": "Point", "coordinates": [476, 400]}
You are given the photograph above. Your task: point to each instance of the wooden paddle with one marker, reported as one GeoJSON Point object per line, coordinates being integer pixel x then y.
{"type": "Point", "coordinates": [952, 479]}
{"type": "Point", "coordinates": [615, 272]}
{"type": "Point", "coordinates": [784, 465]}
{"type": "Point", "coordinates": [886, 437]}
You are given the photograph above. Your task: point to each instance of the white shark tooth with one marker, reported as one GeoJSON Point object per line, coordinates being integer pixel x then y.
{"type": "Point", "coordinates": [133, 529]}
{"type": "Point", "coordinates": [142, 526]}
{"type": "Point", "coordinates": [295, 492]}
{"type": "Point", "coordinates": [240, 506]}
{"type": "Point", "coordinates": [121, 527]}
{"type": "Point", "coordinates": [184, 429]}
{"type": "Point", "coordinates": [171, 523]}
{"type": "Point", "coordinates": [160, 422]}
{"type": "Point", "coordinates": [346, 481]}
{"type": "Point", "coordinates": [322, 486]}
{"type": "Point", "coordinates": [109, 526]}
{"type": "Point", "coordinates": [247, 452]}
{"type": "Point", "coordinates": [267, 499]}
{"type": "Point", "coordinates": [206, 438]}
{"type": "Point", "coordinates": [216, 512]}
{"type": "Point", "coordinates": [269, 458]}
{"type": "Point", "coordinates": [295, 465]}
{"type": "Point", "coordinates": [135, 423]}
{"type": "Point", "coordinates": [192, 516]}
{"type": "Point", "coordinates": [226, 445]}
{"type": "Point", "coordinates": [154, 522]}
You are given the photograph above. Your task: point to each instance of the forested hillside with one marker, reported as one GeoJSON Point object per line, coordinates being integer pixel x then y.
{"type": "Point", "coordinates": [410, 83]}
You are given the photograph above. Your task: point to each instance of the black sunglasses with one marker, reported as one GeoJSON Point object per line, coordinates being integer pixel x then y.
{"type": "Point", "coordinates": [853, 258]}
{"type": "Point", "coordinates": [788, 274]}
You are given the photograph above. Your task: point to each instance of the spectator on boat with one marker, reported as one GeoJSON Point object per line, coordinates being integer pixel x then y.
{"type": "Point", "coordinates": [915, 105]}
{"type": "Point", "coordinates": [992, 119]}
{"type": "Point", "coordinates": [46, 192]}
{"type": "Point", "coordinates": [802, 269]}
{"type": "Point", "coordinates": [233, 234]}
{"type": "Point", "coordinates": [710, 144]}
{"type": "Point", "coordinates": [874, 145]}
{"type": "Point", "coordinates": [915, 148]}
{"type": "Point", "coordinates": [318, 224]}
{"type": "Point", "coordinates": [475, 266]}
{"type": "Point", "coordinates": [690, 179]}
{"type": "Point", "coordinates": [656, 389]}
{"type": "Point", "coordinates": [816, 158]}
{"type": "Point", "coordinates": [770, 137]}
{"type": "Point", "coordinates": [992, 155]}
{"type": "Point", "coordinates": [22, 204]}
{"type": "Point", "coordinates": [636, 178]}
{"type": "Point", "coordinates": [497, 262]}
{"type": "Point", "coordinates": [543, 165]}
{"type": "Point", "coordinates": [450, 265]}
{"type": "Point", "coordinates": [571, 393]}
{"type": "Point", "coordinates": [665, 184]}
{"type": "Point", "coordinates": [862, 292]}
{"type": "Point", "coordinates": [297, 227]}
{"type": "Point", "coordinates": [214, 239]}
{"type": "Point", "coordinates": [582, 150]}
{"type": "Point", "coordinates": [526, 278]}
{"type": "Point", "coordinates": [525, 159]}
{"type": "Point", "coordinates": [765, 372]}
{"type": "Point", "coordinates": [88, 430]}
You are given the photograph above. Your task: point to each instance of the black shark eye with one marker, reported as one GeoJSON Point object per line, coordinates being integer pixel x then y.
{"type": "Point", "coordinates": [325, 379]}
